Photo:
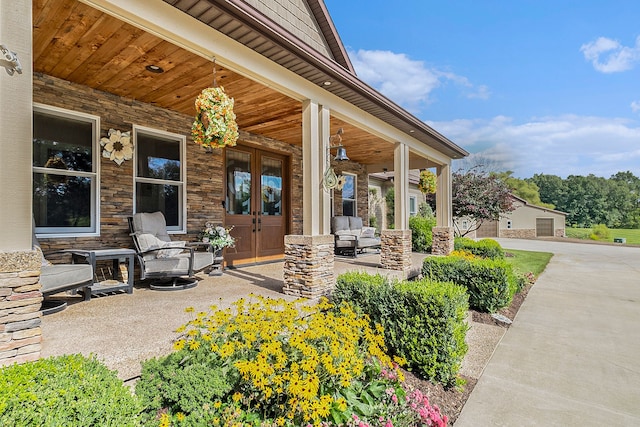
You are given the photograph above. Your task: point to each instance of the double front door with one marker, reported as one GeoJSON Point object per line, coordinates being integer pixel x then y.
{"type": "Point", "coordinates": [256, 204]}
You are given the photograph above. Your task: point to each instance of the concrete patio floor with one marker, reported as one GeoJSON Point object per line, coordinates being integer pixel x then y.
{"type": "Point", "coordinates": [124, 329]}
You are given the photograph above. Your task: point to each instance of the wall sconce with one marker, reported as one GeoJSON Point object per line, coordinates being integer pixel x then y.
{"type": "Point", "coordinates": [9, 60]}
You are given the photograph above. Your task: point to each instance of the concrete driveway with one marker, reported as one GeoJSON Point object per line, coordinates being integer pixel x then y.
{"type": "Point", "coordinates": [572, 355]}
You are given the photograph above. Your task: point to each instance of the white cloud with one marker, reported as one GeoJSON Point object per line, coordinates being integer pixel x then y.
{"type": "Point", "coordinates": [609, 56]}
{"type": "Point", "coordinates": [635, 106]}
{"type": "Point", "coordinates": [407, 82]}
{"type": "Point", "coordinates": [563, 145]}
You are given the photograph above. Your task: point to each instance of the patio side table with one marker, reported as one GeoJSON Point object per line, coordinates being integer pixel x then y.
{"type": "Point", "coordinates": [117, 283]}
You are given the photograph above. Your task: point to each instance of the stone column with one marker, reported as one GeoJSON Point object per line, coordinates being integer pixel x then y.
{"type": "Point", "coordinates": [395, 252]}
{"type": "Point", "coordinates": [443, 242]}
{"type": "Point", "coordinates": [308, 266]}
{"type": "Point", "coordinates": [20, 301]}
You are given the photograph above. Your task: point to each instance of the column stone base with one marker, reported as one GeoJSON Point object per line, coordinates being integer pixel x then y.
{"type": "Point", "coordinates": [20, 301]}
{"type": "Point", "coordinates": [308, 265]}
{"type": "Point", "coordinates": [442, 243]}
{"type": "Point", "coordinates": [395, 251]}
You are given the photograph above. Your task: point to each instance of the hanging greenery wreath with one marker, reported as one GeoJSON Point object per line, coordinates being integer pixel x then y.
{"type": "Point", "coordinates": [215, 123]}
{"type": "Point", "coordinates": [427, 183]}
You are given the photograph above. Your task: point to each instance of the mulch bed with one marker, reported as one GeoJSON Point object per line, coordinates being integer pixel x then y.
{"type": "Point", "coordinates": [451, 401]}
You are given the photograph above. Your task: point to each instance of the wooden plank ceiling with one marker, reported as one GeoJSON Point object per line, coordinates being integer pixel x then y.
{"type": "Point", "coordinates": [80, 44]}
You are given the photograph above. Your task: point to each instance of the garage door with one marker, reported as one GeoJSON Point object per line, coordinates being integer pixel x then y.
{"type": "Point", "coordinates": [544, 227]}
{"type": "Point", "coordinates": [487, 229]}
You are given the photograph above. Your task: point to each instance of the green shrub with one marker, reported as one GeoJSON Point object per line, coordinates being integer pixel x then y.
{"type": "Point", "coordinates": [491, 283]}
{"type": "Point", "coordinates": [423, 321]}
{"type": "Point", "coordinates": [65, 391]}
{"type": "Point", "coordinates": [484, 248]}
{"type": "Point", "coordinates": [600, 232]}
{"type": "Point", "coordinates": [421, 233]}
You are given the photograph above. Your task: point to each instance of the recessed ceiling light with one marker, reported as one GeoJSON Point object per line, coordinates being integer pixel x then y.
{"type": "Point", "coordinates": [326, 83]}
{"type": "Point", "coordinates": [411, 131]}
{"type": "Point", "coordinates": [154, 69]}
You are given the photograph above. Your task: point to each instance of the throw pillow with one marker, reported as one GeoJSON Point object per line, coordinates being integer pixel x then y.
{"type": "Point", "coordinates": [368, 232]}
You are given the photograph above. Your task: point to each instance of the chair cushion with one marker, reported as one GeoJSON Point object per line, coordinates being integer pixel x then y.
{"type": "Point", "coordinates": [339, 223]}
{"type": "Point", "coordinates": [178, 265]}
{"type": "Point", "coordinates": [152, 223]}
{"type": "Point", "coordinates": [355, 223]}
{"type": "Point", "coordinates": [60, 277]}
{"type": "Point", "coordinates": [170, 253]}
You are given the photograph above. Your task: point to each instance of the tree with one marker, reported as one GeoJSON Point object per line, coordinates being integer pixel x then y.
{"type": "Point", "coordinates": [479, 197]}
{"type": "Point", "coordinates": [524, 189]}
{"type": "Point", "coordinates": [552, 189]}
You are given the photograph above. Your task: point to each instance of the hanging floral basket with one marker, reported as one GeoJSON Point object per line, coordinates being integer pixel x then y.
{"type": "Point", "coordinates": [427, 183]}
{"type": "Point", "coordinates": [215, 123]}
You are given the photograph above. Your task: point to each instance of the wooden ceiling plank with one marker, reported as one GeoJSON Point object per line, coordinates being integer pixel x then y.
{"type": "Point", "coordinates": [85, 48]}
{"type": "Point", "coordinates": [161, 55]}
{"type": "Point", "coordinates": [116, 43]}
{"type": "Point", "coordinates": [48, 17]}
{"type": "Point", "coordinates": [131, 53]}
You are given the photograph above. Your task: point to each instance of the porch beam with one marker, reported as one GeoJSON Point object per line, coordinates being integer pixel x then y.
{"type": "Point", "coordinates": [444, 196]}
{"type": "Point", "coordinates": [16, 93]}
{"type": "Point", "coordinates": [401, 185]}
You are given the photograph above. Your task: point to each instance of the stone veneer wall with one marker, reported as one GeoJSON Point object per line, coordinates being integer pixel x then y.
{"type": "Point", "coordinates": [521, 233]}
{"type": "Point", "coordinates": [442, 243]}
{"type": "Point", "coordinates": [20, 300]}
{"type": "Point", "coordinates": [308, 266]}
{"type": "Point", "coordinates": [362, 189]}
{"type": "Point", "coordinates": [560, 232]}
{"type": "Point", "coordinates": [395, 252]}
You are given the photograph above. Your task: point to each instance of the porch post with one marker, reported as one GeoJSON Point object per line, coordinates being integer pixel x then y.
{"type": "Point", "coordinates": [20, 296]}
{"type": "Point", "coordinates": [396, 244]}
{"type": "Point", "coordinates": [309, 259]}
{"type": "Point", "coordinates": [443, 232]}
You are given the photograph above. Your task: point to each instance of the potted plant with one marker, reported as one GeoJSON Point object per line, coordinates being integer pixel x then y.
{"type": "Point", "coordinates": [219, 238]}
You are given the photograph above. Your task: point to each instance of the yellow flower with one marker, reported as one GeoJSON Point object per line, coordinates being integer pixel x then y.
{"type": "Point", "coordinates": [180, 416]}
{"type": "Point", "coordinates": [179, 345]}
{"type": "Point", "coordinates": [236, 397]}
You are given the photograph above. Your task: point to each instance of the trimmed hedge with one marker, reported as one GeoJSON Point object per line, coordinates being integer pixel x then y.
{"type": "Point", "coordinates": [484, 248]}
{"type": "Point", "coordinates": [491, 283]}
{"type": "Point", "coordinates": [65, 391]}
{"type": "Point", "coordinates": [421, 233]}
{"type": "Point", "coordinates": [423, 321]}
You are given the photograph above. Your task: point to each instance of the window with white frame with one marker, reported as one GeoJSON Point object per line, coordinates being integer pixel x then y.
{"type": "Point", "coordinates": [349, 195]}
{"type": "Point", "coordinates": [413, 205]}
{"type": "Point", "coordinates": [65, 172]}
{"type": "Point", "coordinates": [160, 175]}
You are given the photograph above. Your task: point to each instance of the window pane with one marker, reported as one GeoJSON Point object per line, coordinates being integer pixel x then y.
{"type": "Point", "coordinates": [62, 143]}
{"type": "Point", "coordinates": [348, 208]}
{"type": "Point", "coordinates": [61, 201]}
{"type": "Point", "coordinates": [159, 197]}
{"type": "Point", "coordinates": [348, 191]}
{"type": "Point", "coordinates": [157, 157]}
{"type": "Point", "coordinates": [271, 186]}
{"type": "Point", "coordinates": [238, 200]}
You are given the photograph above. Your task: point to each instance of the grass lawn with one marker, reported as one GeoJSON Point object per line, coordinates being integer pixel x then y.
{"type": "Point", "coordinates": [527, 261]}
{"type": "Point", "coordinates": [631, 234]}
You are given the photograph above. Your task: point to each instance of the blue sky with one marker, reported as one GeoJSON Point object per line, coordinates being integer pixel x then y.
{"type": "Point", "coordinates": [530, 86]}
